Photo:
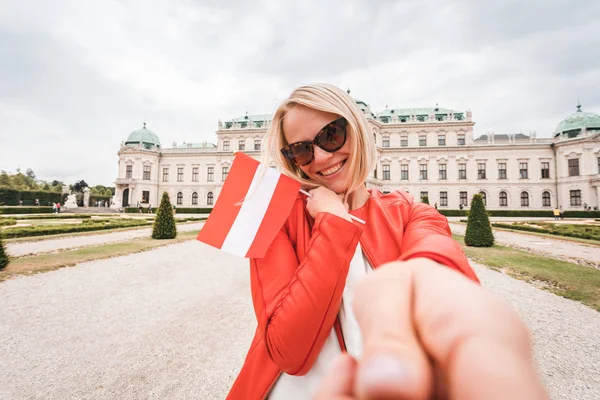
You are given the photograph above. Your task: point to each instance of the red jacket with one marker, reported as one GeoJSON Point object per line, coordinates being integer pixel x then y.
{"type": "Point", "coordinates": [297, 287]}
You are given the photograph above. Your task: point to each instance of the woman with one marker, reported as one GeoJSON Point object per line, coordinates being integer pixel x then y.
{"type": "Point", "coordinates": [302, 288]}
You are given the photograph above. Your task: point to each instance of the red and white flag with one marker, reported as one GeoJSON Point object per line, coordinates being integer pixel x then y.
{"type": "Point", "coordinates": [252, 207]}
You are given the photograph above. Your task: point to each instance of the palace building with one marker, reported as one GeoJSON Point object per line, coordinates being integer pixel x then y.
{"type": "Point", "coordinates": [425, 151]}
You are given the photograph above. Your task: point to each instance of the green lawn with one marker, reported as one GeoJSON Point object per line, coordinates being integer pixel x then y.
{"type": "Point", "coordinates": [566, 279]}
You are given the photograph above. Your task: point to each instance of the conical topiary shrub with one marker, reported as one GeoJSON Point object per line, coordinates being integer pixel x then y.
{"type": "Point", "coordinates": [3, 256]}
{"type": "Point", "coordinates": [164, 224]}
{"type": "Point", "coordinates": [479, 230]}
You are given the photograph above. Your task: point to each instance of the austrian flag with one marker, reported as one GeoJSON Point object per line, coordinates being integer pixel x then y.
{"type": "Point", "coordinates": [252, 207]}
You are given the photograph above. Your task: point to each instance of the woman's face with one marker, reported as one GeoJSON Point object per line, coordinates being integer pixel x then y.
{"type": "Point", "coordinates": [328, 169]}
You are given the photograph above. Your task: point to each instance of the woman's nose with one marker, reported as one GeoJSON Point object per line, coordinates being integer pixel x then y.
{"type": "Point", "coordinates": [321, 156]}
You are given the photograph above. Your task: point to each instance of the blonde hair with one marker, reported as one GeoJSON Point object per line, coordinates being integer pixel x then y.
{"type": "Point", "coordinates": [331, 99]}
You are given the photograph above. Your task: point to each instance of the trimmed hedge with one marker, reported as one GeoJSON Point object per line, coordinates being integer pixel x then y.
{"type": "Point", "coordinates": [579, 235]}
{"type": "Point", "coordinates": [26, 210]}
{"type": "Point", "coordinates": [479, 231]}
{"type": "Point", "coordinates": [11, 197]}
{"type": "Point", "coordinates": [43, 230]}
{"type": "Point", "coordinates": [523, 213]}
{"type": "Point", "coordinates": [179, 210]}
{"type": "Point", "coordinates": [8, 222]}
{"type": "Point", "coordinates": [164, 223]}
{"type": "Point", "coordinates": [4, 259]}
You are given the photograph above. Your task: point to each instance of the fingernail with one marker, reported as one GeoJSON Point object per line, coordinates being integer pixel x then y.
{"type": "Point", "coordinates": [383, 369]}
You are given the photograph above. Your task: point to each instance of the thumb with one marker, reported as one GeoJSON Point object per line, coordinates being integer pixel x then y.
{"type": "Point", "coordinates": [394, 365]}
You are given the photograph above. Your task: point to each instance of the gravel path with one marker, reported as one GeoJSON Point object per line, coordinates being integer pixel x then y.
{"type": "Point", "coordinates": [176, 323]}
{"type": "Point", "coordinates": [555, 248]}
{"type": "Point", "coordinates": [72, 242]}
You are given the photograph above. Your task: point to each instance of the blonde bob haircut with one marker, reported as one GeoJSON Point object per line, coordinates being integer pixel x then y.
{"type": "Point", "coordinates": [331, 99]}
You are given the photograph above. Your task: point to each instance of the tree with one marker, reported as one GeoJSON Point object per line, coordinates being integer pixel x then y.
{"type": "Point", "coordinates": [425, 199]}
{"type": "Point", "coordinates": [30, 173]}
{"type": "Point", "coordinates": [479, 230]}
{"type": "Point", "coordinates": [4, 260]}
{"type": "Point", "coordinates": [164, 224]}
{"type": "Point", "coordinates": [5, 179]}
{"type": "Point", "coordinates": [79, 185]}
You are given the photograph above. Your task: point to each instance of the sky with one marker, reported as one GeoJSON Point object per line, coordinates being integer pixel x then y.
{"type": "Point", "coordinates": [77, 76]}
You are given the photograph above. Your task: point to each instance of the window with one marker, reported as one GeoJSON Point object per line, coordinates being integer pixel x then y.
{"type": "Point", "coordinates": [194, 199]}
{"type": "Point", "coordinates": [209, 198]}
{"type": "Point", "coordinates": [424, 194]}
{"type": "Point", "coordinates": [129, 171]}
{"type": "Point", "coordinates": [147, 170]}
{"type": "Point", "coordinates": [165, 174]}
{"type": "Point", "coordinates": [421, 118]}
{"type": "Point", "coordinates": [422, 140]}
{"type": "Point", "coordinates": [195, 174]}
{"type": "Point", "coordinates": [146, 196]}
{"type": "Point", "coordinates": [385, 141]}
{"type": "Point", "coordinates": [442, 171]}
{"type": "Point", "coordinates": [404, 141]}
{"type": "Point", "coordinates": [404, 172]}
{"type": "Point", "coordinates": [179, 174]}
{"type": "Point", "coordinates": [224, 173]}
{"type": "Point", "coordinates": [386, 172]}
{"type": "Point", "coordinates": [463, 199]}
{"type": "Point", "coordinates": [179, 198]}
{"type": "Point", "coordinates": [484, 198]}
{"type": "Point", "coordinates": [444, 199]}
{"type": "Point", "coordinates": [575, 196]}
{"type": "Point", "coordinates": [574, 167]}
{"type": "Point", "coordinates": [462, 171]}
{"type": "Point", "coordinates": [210, 174]}
{"type": "Point", "coordinates": [256, 144]}
{"type": "Point", "coordinates": [545, 170]}
{"type": "Point", "coordinates": [243, 125]}
{"type": "Point", "coordinates": [546, 199]}
{"type": "Point", "coordinates": [502, 170]}
{"type": "Point", "coordinates": [423, 171]}
{"type": "Point", "coordinates": [258, 124]}
{"type": "Point", "coordinates": [523, 170]}
{"type": "Point", "coordinates": [461, 140]}
{"type": "Point", "coordinates": [441, 140]}
{"type": "Point", "coordinates": [225, 145]}
{"type": "Point", "coordinates": [385, 120]}
{"type": "Point", "coordinates": [524, 199]}
{"type": "Point", "coordinates": [242, 145]}
{"type": "Point", "coordinates": [480, 170]}
{"type": "Point", "coordinates": [503, 199]}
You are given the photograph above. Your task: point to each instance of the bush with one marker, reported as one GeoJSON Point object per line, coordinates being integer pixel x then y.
{"type": "Point", "coordinates": [523, 213]}
{"type": "Point", "coordinates": [164, 223]}
{"type": "Point", "coordinates": [11, 197]}
{"type": "Point", "coordinates": [26, 210]}
{"type": "Point", "coordinates": [8, 222]}
{"type": "Point", "coordinates": [188, 210]}
{"type": "Point", "coordinates": [4, 260]}
{"type": "Point", "coordinates": [425, 199]}
{"type": "Point", "coordinates": [44, 230]}
{"type": "Point", "coordinates": [479, 230]}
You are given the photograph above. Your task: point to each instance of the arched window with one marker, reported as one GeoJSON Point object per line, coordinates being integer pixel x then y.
{"type": "Point", "coordinates": [194, 198]}
{"type": "Point", "coordinates": [546, 199]}
{"type": "Point", "coordinates": [503, 199]}
{"type": "Point", "coordinates": [524, 199]}
{"type": "Point", "coordinates": [484, 198]}
{"type": "Point", "coordinates": [209, 198]}
{"type": "Point", "coordinates": [179, 198]}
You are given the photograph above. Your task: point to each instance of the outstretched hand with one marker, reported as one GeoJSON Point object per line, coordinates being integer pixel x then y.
{"type": "Point", "coordinates": [429, 332]}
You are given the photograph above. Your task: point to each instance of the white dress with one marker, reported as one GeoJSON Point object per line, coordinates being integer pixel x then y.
{"type": "Point", "coordinates": [290, 387]}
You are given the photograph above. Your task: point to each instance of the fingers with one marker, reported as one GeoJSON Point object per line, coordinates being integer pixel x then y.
{"type": "Point", "coordinates": [477, 340]}
{"type": "Point", "coordinates": [339, 382]}
{"type": "Point", "coordinates": [394, 364]}
{"type": "Point", "coordinates": [415, 310]}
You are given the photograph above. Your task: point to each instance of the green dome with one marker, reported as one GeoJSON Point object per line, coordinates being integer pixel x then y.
{"type": "Point", "coordinates": [143, 136]}
{"type": "Point", "coordinates": [574, 123]}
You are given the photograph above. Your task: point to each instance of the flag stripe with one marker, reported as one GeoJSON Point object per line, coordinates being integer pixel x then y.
{"type": "Point", "coordinates": [244, 228]}
{"type": "Point", "coordinates": [278, 211]}
{"type": "Point", "coordinates": [219, 223]}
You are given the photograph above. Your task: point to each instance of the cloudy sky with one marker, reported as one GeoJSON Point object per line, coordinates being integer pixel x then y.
{"type": "Point", "coordinates": [77, 76]}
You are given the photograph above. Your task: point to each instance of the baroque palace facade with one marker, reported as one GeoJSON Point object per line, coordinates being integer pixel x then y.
{"type": "Point", "coordinates": [426, 151]}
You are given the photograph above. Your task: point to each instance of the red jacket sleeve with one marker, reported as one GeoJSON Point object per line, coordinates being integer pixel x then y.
{"type": "Point", "coordinates": [296, 305]}
{"type": "Point", "coordinates": [427, 234]}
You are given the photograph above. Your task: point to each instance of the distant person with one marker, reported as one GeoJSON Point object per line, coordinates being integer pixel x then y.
{"type": "Point", "coordinates": [562, 213]}
{"type": "Point", "coordinates": [139, 206]}
{"type": "Point", "coordinates": [21, 203]}
{"type": "Point", "coordinates": [556, 214]}
{"type": "Point", "coordinates": [54, 210]}
{"type": "Point", "coordinates": [37, 202]}
{"type": "Point", "coordinates": [435, 205]}
{"type": "Point", "coordinates": [58, 208]}
{"type": "Point", "coordinates": [174, 209]}
{"type": "Point", "coordinates": [149, 208]}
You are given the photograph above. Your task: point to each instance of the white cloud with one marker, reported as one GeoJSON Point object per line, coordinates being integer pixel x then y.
{"type": "Point", "coordinates": [77, 76]}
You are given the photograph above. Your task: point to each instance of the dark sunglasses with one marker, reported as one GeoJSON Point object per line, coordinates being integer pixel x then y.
{"type": "Point", "coordinates": [330, 138]}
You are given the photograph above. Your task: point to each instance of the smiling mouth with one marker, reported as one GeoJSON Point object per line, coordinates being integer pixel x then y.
{"type": "Point", "coordinates": [332, 170]}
